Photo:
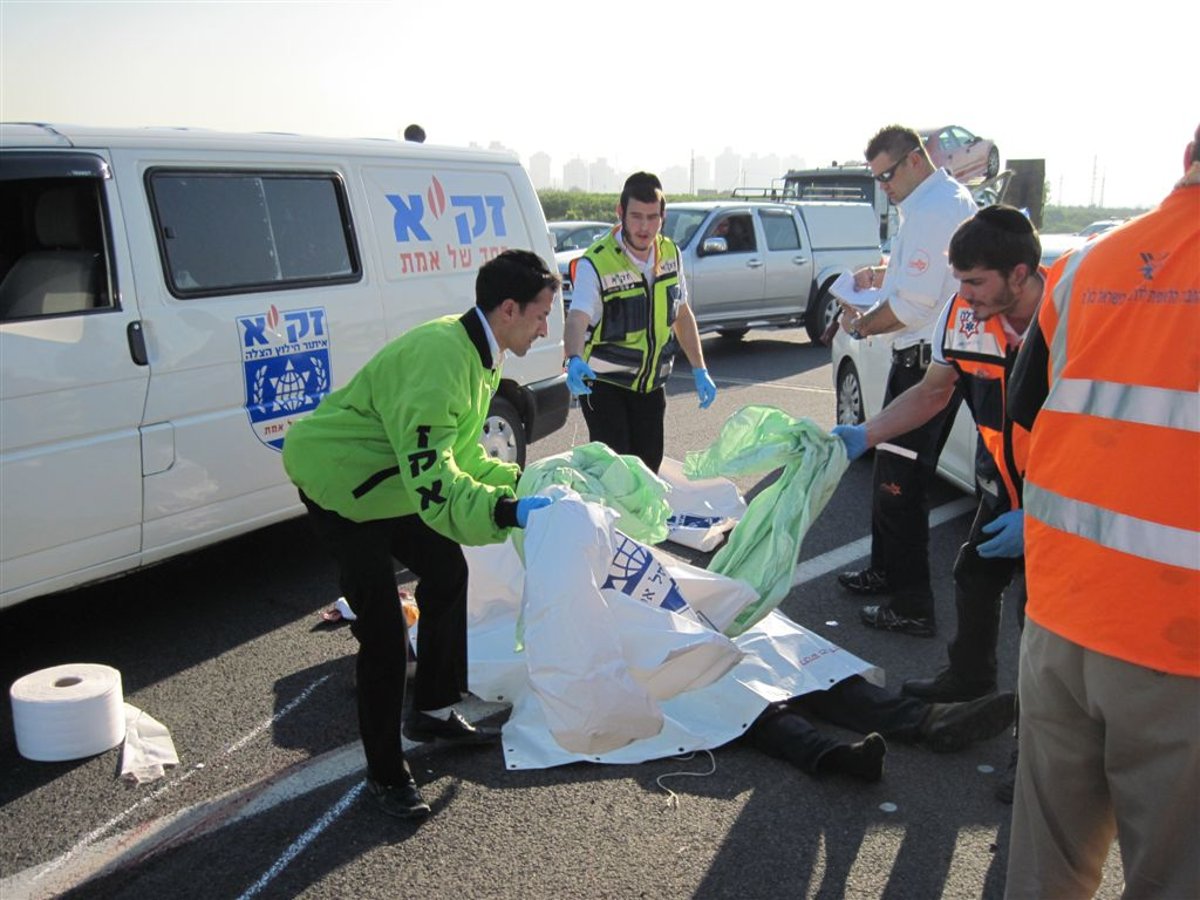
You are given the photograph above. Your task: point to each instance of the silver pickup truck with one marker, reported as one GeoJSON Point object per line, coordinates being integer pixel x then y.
{"type": "Point", "coordinates": [755, 265]}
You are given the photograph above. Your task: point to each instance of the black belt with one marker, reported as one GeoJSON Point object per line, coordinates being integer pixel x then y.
{"type": "Point", "coordinates": [917, 356]}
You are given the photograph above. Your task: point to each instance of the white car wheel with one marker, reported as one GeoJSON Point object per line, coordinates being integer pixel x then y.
{"type": "Point", "coordinates": [849, 396]}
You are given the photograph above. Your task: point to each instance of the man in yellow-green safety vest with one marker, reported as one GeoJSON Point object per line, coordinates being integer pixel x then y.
{"type": "Point", "coordinates": [629, 315]}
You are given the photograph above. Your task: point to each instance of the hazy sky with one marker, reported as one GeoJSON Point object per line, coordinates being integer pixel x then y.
{"type": "Point", "coordinates": [644, 84]}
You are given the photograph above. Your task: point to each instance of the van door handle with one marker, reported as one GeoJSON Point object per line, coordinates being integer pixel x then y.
{"type": "Point", "coordinates": [800, 260]}
{"type": "Point", "coordinates": [754, 264]}
{"type": "Point", "coordinates": [137, 343]}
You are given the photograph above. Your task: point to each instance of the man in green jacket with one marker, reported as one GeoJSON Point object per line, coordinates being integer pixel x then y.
{"type": "Point", "coordinates": [390, 466]}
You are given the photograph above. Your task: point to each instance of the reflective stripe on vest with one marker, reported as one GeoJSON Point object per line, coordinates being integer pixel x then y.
{"type": "Point", "coordinates": [1125, 534]}
{"type": "Point", "coordinates": [633, 345]}
{"type": "Point", "coordinates": [980, 353]}
{"type": "Point", "coordinates": [1113, 485]}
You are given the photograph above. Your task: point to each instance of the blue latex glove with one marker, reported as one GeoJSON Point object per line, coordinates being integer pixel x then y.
{"type": "Point", "coordinates": [706, 390]}
{"type": "Point", "coordinates": [526, 505]}
{"type": "Point", "coordinates": [1010, 536]}
{"type": "Point", "coordinates": [577, 372]}
{"type": "Point", "coordinates": [854, 437]}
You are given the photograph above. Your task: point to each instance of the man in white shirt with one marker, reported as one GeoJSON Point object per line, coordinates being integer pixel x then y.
{"type": "Point", "coordinates": [915, 286]}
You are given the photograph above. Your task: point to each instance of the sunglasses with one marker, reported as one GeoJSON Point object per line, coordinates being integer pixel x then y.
{"type": "Point", "coordinates": [890, 172]}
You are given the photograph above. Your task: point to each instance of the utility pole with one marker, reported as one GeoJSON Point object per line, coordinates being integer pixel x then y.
{"type": "Point", "coordinates": [692, 174]}
{"type": "Point", "coordinates": [1092, 196]}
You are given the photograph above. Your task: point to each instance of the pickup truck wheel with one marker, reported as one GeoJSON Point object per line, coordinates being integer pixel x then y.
{"type": "Point", "coordinates": [820, 315]}
{"type": "Point", "coordinates": [993, 163]}
{"type": "Point", "coordinates": [733, 334]}
{"type": "Point", "coordinates": [849, 396]}
{"type": "Point", "coordinates": [503, 433]}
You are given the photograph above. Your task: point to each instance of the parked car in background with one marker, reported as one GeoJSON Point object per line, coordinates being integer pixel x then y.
{"type": "Point", "coordinates": [1100, 226]}
{"type": "Point", "coordinates": [1055, 245]}
{"type": "Point", "coordinates": [577, 235]}
{"type": "Point", "coordinates": [860, 370]}
{"type": "Point", "coordinates": [570, 240]}
{"type": "Point", "coordinates": [966, 156]}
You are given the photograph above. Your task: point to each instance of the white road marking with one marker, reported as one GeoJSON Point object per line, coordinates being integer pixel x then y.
{"type": "Point", "coordinates": [840, 557]}
{"type": "Point", "coordinates": [297, 847]}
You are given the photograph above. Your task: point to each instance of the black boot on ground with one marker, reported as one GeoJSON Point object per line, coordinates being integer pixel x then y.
{"type": "Point", "coordinates": [946, 687]}
{"type": "Point", "coordinates": [950, 727]}
{"type": "Point", "coordinates": [863, 760]}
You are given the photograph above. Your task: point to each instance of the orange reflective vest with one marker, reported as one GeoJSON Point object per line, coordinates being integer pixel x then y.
{"type": "Point", "coordinates": [1112, 490]}
{"type": "Point", "coordinates": [983, 354]}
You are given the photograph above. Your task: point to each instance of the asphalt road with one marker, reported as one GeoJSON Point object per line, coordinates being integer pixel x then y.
{"type": "Point", "coordinates": [225, 647]}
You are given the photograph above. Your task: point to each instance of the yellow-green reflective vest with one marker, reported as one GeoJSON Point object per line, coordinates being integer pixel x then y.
{"type": "Point", "coordinates": [633, 344]}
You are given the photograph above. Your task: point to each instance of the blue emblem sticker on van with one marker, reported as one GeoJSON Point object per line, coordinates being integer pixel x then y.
{"type": "Point", "coordinates": [285, 365]}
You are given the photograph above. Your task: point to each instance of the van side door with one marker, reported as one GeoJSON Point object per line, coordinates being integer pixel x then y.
{"type": "Point", "coordinates": [256, 305]}
{"type": "Point", "coordinates": [74, 378]}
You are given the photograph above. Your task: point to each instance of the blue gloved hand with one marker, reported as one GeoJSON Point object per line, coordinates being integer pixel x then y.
{"type": "Point", "coordinates": [1009, 541]}
{"type": "Point", "coordinates": [854, 437]}
{"type": "Point", "coordinates": [706, 390]}
{"type": "Point", "coordinates": [577, 372]}
{"type": "Point", "coordinates": [526, 505]}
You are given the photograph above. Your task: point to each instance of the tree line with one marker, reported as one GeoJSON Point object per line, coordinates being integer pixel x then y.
{"type": "Point", "coordinates": [578, 205]}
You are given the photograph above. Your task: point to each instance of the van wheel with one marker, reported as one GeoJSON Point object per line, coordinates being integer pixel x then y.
{"type": "Point", "coordinates": [733, 334]}
{"type": "Point", "coordinates": [820, 315]}
{"type": "Point", "coordinates": [503, 435]}
{"type": "Point", "coordinates": [849, 396]}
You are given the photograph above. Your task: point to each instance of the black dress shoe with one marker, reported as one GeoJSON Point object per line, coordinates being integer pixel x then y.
{"type": "Point", "coordinates": [950, 727]}
{"type": "Point", "coordinates": [421, 727]}
{"type": "Point", "coordinates": [886, 619]}
{"type": "Point", "coordinates": [866, 583]}
{"type": "Point", "coordinates": [403, 800]}
{"type": "Point", "coordinates": [946, 687]}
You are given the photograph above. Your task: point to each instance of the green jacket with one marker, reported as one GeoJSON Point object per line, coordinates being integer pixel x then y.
{"type": "Point", "coordinates": [402, 437]}
{"type": "Point", "coordinates": [633, 344]}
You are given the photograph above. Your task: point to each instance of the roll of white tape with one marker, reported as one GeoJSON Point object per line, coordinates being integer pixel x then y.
{"type": "Point", "coordinates": [68, 712]}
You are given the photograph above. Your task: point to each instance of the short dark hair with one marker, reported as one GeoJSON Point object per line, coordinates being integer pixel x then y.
{"type": "Point", "coordinates": [415, 133]}
{"type": "Point", "coordinates": [997, 237]}
{"type": "Point", "coordinates": [896, 141]}
{"type": "Point", "coordinates": [1196, 145]}
{"type": "Point", "coordinates": [644, 187]}
{"type": "Point", "coordinates": [516, 274]}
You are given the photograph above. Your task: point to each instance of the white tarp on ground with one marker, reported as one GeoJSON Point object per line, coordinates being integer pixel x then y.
{"type": "Point", "coordinates": [619, 666]}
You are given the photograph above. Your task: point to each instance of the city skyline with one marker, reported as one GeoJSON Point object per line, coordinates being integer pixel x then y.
{"type": "Point", "coordinates": [578, 87]}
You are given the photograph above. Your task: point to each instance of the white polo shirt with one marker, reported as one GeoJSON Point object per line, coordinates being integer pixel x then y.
{"type": "Point", "coordinates": [919, 280]}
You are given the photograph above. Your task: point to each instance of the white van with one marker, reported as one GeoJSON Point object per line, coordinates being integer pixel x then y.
{"type": "Point", "coordinates": [171, 300]}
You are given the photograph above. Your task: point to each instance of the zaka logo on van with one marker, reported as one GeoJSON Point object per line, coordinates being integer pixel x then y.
{"type": "Point", "coordinates": [479, 211]}
{"type": "Point", "coordinates": [285, 365]}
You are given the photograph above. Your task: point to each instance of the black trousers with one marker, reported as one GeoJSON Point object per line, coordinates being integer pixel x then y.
{"type": "Point", "coordinates": [900, 507]}
{"type": "Point", "coordinates": [629, 422]}
{"type": "Point", "coordinates": [365, 554]}
{"type": "Point", "coordinates": [783, 729]}
{"type": "Point", "coordinates": [979, 585]}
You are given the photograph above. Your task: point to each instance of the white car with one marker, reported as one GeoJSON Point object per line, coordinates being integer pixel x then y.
{"type": "Point", "coordinates": [860, 370]}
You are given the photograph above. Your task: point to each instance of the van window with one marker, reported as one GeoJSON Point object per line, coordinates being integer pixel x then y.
{"type": "Point", "coordinates": [232, 232]}
{"type": "Point", "coordinates": [782, 233]}
{"type": "Point", "coordinates": [53, 259]}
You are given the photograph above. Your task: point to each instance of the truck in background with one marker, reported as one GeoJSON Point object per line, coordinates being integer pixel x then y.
{"type": "Point", "coordinates": [751, 264]}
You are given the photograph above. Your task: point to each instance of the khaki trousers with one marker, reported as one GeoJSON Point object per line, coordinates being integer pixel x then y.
{"type": "Point", "coordinates": [1108, 749]}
